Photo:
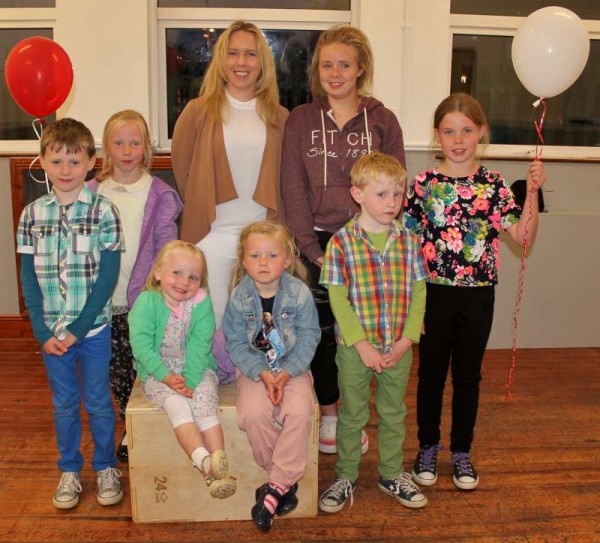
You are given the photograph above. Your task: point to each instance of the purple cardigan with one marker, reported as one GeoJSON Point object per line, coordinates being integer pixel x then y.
{"type": "Point", "coordinates": [162, 208]}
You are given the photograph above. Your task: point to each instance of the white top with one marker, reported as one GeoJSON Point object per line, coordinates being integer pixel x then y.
{"type": "Point", "coordinates": [130, 201]}
{"type": "Point", "coordinates": [245, 136]}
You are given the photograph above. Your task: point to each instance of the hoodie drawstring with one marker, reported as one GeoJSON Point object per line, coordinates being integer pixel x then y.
{"type": "Point", "coordinates": [366, 118]}
{"type": "Point", "coordinates": [367, 130]}
{"type": "Point", "coordinates": [325, 150]}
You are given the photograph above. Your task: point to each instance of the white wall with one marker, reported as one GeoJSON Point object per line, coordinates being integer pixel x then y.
{"type": "Point", "coordinates": [111, 44]}
{"type": "Point", "coordinates": [108, 44]}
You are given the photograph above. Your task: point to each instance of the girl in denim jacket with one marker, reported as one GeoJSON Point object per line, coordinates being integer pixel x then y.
{"type": "Point", "coordinates": [272, 330]}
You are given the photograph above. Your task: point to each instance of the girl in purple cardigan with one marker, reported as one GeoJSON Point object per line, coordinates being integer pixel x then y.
{"type": "Point", "coordinates": [148, 208]}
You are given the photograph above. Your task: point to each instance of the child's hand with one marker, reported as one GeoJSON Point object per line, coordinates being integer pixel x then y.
{"type": "Point", "coordinates": [177, 383]}
{"type": "Point", "coordinates": [536, 175]}
{"type": "Point", "coordinates": [398, 351]}
{"type": "Point", "coordinates": [54, 346]}
{"type": "Point", "coordinates": [370, 356]}
{"type": "Point", "coordinates": [269, 381]}
{"type": "Point", "coordinates": [279, 383]}
{"type": "Point", "coordinates": [68, 340]}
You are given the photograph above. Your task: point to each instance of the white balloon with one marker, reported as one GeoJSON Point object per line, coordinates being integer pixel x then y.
{"type": "Point", "coordinates": [550, 50]}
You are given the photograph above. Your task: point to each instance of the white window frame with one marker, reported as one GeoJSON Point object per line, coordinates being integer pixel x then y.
{"type": "Point", "coordinates": [21, 18]}
{"type": "Point", "coordinates": [488, 25]}
{"type": "Point", "coordinates": [267, 19]}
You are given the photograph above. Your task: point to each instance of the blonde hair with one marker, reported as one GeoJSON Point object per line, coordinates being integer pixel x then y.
{"type": "Point", "coordinates": [116, 121]}
{"type": "Point", "coordinates": [68, 133]}
{"type": "Point", "coordinates": [347, 35]}
{"type": "Point", "coordinates": [280, 233]}
{"type": "Point", "coordinates": [468, 106]}
{"type": "Point", "coordinates": [215, 78]}
{"type": "Point", "coordinates": [371, 167]}
{"type": "Point", "coordinates": [170, 247]}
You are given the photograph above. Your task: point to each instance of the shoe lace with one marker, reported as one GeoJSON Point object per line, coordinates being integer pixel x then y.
{"type": "Point", "coordinates": [342, 487]}
{"type": "Point", "coordinates": [68, 481]}
{"type": "Point", "coordinates": [428, 457]}
{"type": "Point", "coordinates": [404, 483]}
{"type": "Point", "coordinates": [108, 477]}
{"type": "Point", "coordinates": [463, 462]}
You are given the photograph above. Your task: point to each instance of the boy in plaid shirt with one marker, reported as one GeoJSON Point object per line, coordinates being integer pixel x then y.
{"type": "Point", "coordinates": [70, 242]}
{"type": "Point", "coordinates": [375, 274]}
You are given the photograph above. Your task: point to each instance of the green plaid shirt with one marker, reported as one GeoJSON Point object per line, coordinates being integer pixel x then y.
{"type": "Point", "coordinates": [93, 225]}
{"type": "Point", "coordinates": [379, 284]}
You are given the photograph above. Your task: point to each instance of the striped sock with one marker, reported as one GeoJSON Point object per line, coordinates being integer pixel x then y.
{"type": "Point", "coordinates": [271, 502]}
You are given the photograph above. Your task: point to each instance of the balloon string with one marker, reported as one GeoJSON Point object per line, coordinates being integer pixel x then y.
{"type": "Point", "coordinates": [538, 128]}
{"type": "Point", "coordinates": [538, 153]}
{"type": "Point", "coordinates": [38, 132]}
{"type": "Point", "coordinates": [521, 283]}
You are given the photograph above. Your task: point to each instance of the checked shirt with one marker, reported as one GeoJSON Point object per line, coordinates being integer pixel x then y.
{"type": "Point", "coordinates": [66, 242]}
{"type": "Point", "coordinates": [379, 284]}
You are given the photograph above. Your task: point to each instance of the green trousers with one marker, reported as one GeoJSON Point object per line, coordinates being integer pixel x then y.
{"type": "Point", "coordinates": [355, 389]}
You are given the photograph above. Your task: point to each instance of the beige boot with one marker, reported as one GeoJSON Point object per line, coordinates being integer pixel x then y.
{"type": "Point", "coordinates": [215, 469]}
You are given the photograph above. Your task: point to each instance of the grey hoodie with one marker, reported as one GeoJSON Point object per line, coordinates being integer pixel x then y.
{"type": "Point", "coordinates": [316, 164]}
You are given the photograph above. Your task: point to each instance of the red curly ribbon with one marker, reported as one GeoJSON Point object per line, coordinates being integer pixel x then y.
{"type": "Point", "coordinates": [538, 153]}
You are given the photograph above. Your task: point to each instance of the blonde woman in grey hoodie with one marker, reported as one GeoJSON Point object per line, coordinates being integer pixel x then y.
{"type": "Point", "coordinates": [322, 141]}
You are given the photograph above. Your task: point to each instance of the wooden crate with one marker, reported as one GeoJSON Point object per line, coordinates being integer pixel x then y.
{"type": "Point", "coordinates": [165, 487]}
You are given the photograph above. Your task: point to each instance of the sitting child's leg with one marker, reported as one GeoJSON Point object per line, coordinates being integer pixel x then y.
{"type": "Point", "coordinates": [214, 467]}
{"type": "Point", "coordinates": [291, 422]}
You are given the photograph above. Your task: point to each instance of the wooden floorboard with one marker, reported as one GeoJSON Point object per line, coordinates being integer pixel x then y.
{"type": "Point", "coordinates": [538, 456]}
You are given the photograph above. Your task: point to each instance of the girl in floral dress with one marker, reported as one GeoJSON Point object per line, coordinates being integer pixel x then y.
{"type": "Point", "coordinates": [171, 329]}
{"type": "Point", "coordinates": [458, 209]}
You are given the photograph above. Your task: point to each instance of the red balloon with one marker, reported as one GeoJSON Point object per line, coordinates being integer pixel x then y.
{"type": "Point", "coordinates": [39, 75]}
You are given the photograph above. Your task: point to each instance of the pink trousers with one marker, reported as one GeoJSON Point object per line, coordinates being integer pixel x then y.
{"type": "Point", "coordinates": [278, 434]}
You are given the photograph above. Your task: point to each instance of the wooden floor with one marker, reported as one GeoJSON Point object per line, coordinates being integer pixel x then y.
{"type": "Point", "coordinates": [538, 457]}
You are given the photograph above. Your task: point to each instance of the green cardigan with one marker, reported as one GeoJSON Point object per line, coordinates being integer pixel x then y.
{"type": "Point", "coordinates": [147, 323]}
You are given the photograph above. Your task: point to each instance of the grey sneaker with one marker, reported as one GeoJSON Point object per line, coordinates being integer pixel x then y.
{"type": "Point", "coordinates": [109, 486]}
{"type": "Point", "coordinates": [424, 469]}
{"type": "Point", "coordinates": [334, 498]}
{"type": "Point", "coordinates": [66, 495]}
{"type": "Point", "coordinates": [464, 475]}
{"type": "Point", "coordinates": [404, 490]}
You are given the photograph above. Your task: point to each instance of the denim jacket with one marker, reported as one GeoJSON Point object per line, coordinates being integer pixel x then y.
{"type": "Point", "coordinates": [295, 315]}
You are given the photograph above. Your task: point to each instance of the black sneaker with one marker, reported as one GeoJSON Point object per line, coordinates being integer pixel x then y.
{"type": "Point", "coordinates": [404, 490]}
{"type": "Point", "coordinates": [465, 477]}
{"type": "Point", "coordinates": [424, 469]}
{"type": "Point", "coordinates": [122, 453]}
{"type": "Point", "coordinates": [334, 498]}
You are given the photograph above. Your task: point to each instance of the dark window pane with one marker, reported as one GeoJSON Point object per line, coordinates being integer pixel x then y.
{"type": "Point", "coordinates": [586, 9]}
{"type": "Point", "coordinates": [15, 124]}
{"type": "Point", "coordinates": [343, 5]}
{"type": "Point", "coordinates": [189, 53]}
{"type": "Point", "coordinates": [482, 66]}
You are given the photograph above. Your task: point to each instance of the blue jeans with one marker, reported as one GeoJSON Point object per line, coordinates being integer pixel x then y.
{"type": "Point", "coordinates": [93, 354]}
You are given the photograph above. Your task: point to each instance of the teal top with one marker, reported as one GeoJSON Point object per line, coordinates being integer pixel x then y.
{"type": "Point", "coordinates": [147, 324]}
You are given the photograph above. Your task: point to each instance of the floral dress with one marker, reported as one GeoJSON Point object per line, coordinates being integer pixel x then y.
{"type": "Point", "coordinates": [459, 220]}
{"type": "Point", "coordinates": [204, 401]}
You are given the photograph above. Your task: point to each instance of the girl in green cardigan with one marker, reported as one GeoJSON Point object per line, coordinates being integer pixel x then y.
{"type": "Point", "coordinates": [171, 329]}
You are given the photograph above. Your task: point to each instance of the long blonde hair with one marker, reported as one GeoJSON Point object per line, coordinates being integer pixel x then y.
{"type": "Point", "coordinates": [153, 284]}
{"type": "Point", "coordinates": [280, 233]}
{"type": "Point", "coordinates": [116, 121]}
{"type": "Point", "coordinates": [215, 79]}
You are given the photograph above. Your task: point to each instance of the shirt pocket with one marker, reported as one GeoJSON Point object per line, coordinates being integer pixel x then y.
{"type": "Point", "coordinates": [44, 239]}
{"type": "Point", "coordinates": [84, 236]}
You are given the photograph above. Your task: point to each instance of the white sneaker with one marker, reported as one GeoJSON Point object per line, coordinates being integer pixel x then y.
{"type": "Point", "coordinates": [109, 486]}
{"type": "Point", "coordinates": [66, 494]}
{"type": "Point", "coordinates": [327, 442]}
